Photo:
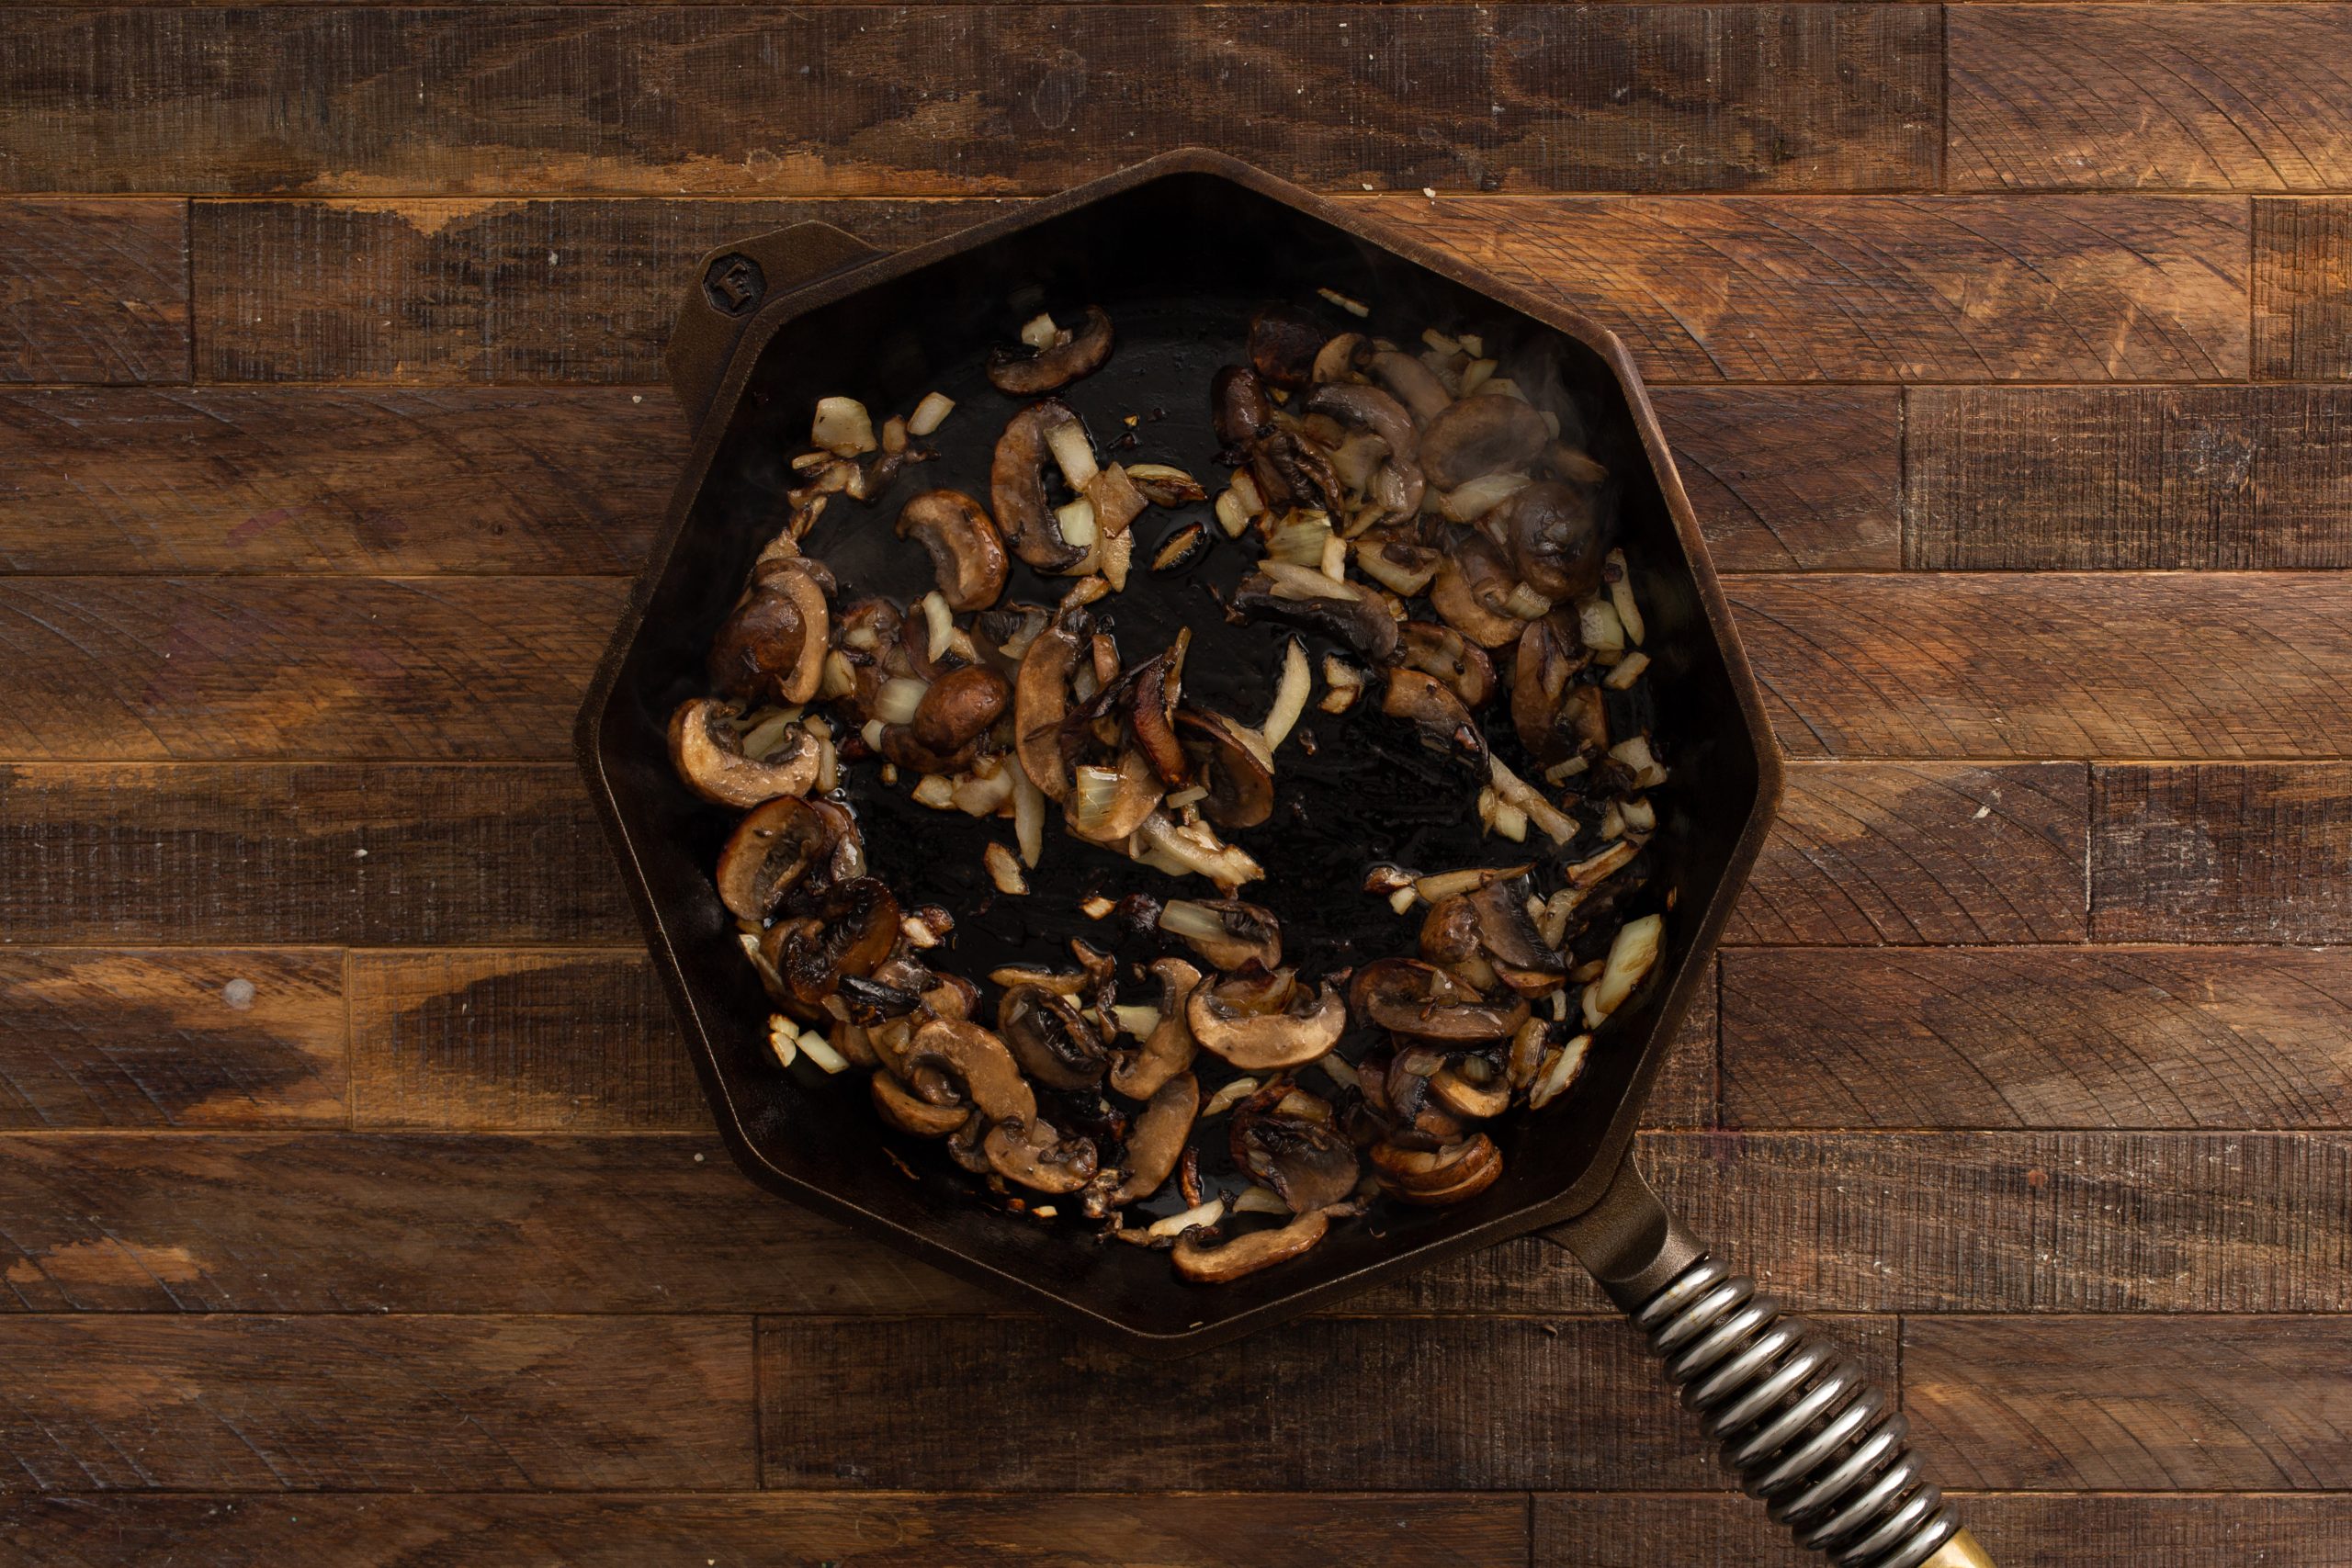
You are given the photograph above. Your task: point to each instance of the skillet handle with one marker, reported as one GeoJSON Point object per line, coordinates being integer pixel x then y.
{"type": "Point", "coordinates": [1800, 1424]}
{"type": "Point", "coordinates": [731, 285]}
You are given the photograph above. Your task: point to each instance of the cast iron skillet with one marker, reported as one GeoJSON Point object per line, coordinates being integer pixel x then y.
{"type": "Point", "coordinates": [1179, 250]}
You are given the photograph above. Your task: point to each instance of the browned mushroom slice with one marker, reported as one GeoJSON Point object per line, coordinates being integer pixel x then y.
{"type": "Point", "coordinates": [1408, 997]}
{"type": "Point", "coordinates": [959, 708]}
{"type": "Point", "coordinates": [904, 1109]}
{"type": "Point", "coordinates": [1238, 408]}
{"type": "Point", "coordinates": [977, 1063]}
{"type": "Point", "coordinates": [772, 645]}
{"type": "Point", "coordinates": [848, 931]}
{"type": "Point", "coordinates": [1481, 435]}
{"type": "Point", "coordinates": [1291, 471]}
{"type": "Point", "coordinates": [1106, 804]}
{"type": "Point", "coordinates": [1434, 1177]}
{"type": "Point", "coordinates": [1041, 693]}
{"type": "Point", "coordinates": [1310, 1163]}
{"type": "Point", "coordinates": [1017, 487]}
{"type": "Point", "coordinates": [1430, 706]}
{"type": "Point", "coordinates": [966, 552]}
{"type": "Point", "coordinates": [1414, 383]}
{"type": "Point", "coordinates": [1030, 375]}
{"type": "Point", "coordinates": [1469, 1095]}
{"type": "Point", "coordinates": [1157, 1140]}
{"type": "Point", "coordinates": [1051, 1039]}
{"type": "Point", "coordinates": [1507, 934]}
{"type": "Point", "coordinates": [1450, 933]}
{"type": "Point", "coordinates": [1284, 343]}
{"type": "Point", "coordinates": [1257, 1036]}
{"type": "Point", "coordinates": [767, 856]}
{"type": "Point", "coordinates": [1556, 543]}
{"type": "Point", "coordinates": [1355, 616]}
{"type": "Point", "coordinates": [1441, 651]}
{"type": "Point", "coordinates": [1227, 932]}
{"type": "Point", "coordinates": [1214, 1265]}
{"type": "Point", "coordinates": [1169, 1049]}
{"type": "Point", "coordinates": [708, 755]}
{"type": "Point", "coordinates": [1342, 358]}
{"type": "Point", "coordinates": [1417, 1118]}
{"type": "Point", "coordinates": [1369, 408]}
{"type": "Point", "coordinates": [1032, 1153]}
{"type": "Point", "coordinates": [1555, 714]}
{"type": "Point", "coordinates": [1240, 786]}
{"type": "Point", "coordinates": [1154, 687]}
{"type": "Point", "coordinates": [1472, 587]}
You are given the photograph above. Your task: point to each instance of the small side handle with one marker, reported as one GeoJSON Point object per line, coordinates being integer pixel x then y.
{"type": "Point", "coordinates": [1803, 1427]}
{"type": "Point", "coordinates": [727, 290]}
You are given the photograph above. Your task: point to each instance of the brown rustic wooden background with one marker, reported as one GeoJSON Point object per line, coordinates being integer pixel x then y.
{"type": "Point", "coordinates": [356, 1204]}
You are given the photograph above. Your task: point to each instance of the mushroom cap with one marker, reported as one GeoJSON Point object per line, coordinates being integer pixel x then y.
{"type": "Point", "coordinates": [1216, 1265]}
{"type": "Point", "coordinates": [1342, 357]}
{"type": "Point", "coordinates": [1026, 375]}
{"type": "Point", "coordinates": [1430, 705]}
{"type": "Point", "coordinates": [1408, 997]}
{"type": "Point", "coordinates": [773, 644]}
{"type": "Point", "coordinates": [1471, 585]}
{"type": "Point", "coordinates": [848, 930]}
{"type": "Point", "coordinates": [1240, 786]}
{"type": "Point", "coordinates": [1481, 435]}
{"type": "Point", "coordinates": [1358, 620]}
{"type": "Point", "coordinates": [767, 856]}
{"type": "Point", "coordinates": [1030, 1152]}
{"type": "Point", "coordinates": [960, 708]}
{"type": "Point", "coordinates": [1238, 408]}
{"type": "Point", "coordinates": [1017, 487]}
{"type": "Point", "coordinates": [1288, 1036]}
{"type": "Point", "coordinates": [966, 552]}
{"type": "Point", "coordinates": [1139, 1073]}
{"type": "Point", "coordinates": [1557, 545]}
{"type": "Point", "coordinates": [1283, 341]}
{"type": "Point", "coordinates": [1054, 1043]}
{"type": "Point", "coordinates": [901, 1106]}
{"type": "Point", "coordinates": [1157, 1140]}
{"type": "Point", "coordinates": [708, 755]}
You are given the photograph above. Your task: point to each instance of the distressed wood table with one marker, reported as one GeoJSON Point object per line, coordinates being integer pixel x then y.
{"type": "Point", "coordinates": [356, 1205]}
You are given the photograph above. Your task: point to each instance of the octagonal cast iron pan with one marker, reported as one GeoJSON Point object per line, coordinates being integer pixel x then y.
{"type": "Point", "coordinates": [1180, 251]}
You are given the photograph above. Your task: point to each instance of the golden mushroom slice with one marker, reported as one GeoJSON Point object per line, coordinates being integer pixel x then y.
{"type": "Point", "coordinates": [1258, 1033]}
{"type": "Point", "coordinates": [966, 552]}
{"type": "Point", "coordinates": [1205, 1265]}
{"type": "Point", "coordinates": [708, 755]}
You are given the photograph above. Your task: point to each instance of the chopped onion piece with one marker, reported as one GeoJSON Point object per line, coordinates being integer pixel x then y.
{"type": "Point", "coordinates": [1602, 865]}
{"type": "Point", "coordinates": [843, 427]}
{"type": "Point", "coordinates": [1334, 558]}
{"type": "Point", "coordinates": [1640, 815]}
{"type": "Point", "coordinates": [819, 1050]}
{"type": "Point", "coordinates": [935, 790]}
{"type": "Point", "coordinates": [1540, 811]}
{"type": "Point", "coordinates": [894, 434]}
{"type": "Point", "coordinates": [1630, 956]}
{"type": "Point", "coordinates": [980, 795]}
{"type": "Point", "coordinates": [1356, 308]}
{"type": "Point", "coordinates": [1232, 513]}
{"type": "Point", "coordinates": [1183, 917]}
{"type": "Point", "coordinates": [1305, 583]}
{"type": "Point", "coordinates": [1136, 1021]}
{"type": "Point", "coordinates": [1076, 521]}
{"type": "Point", "coordinates": [1389, 574]}
{"type": "Point", "coordinates": [897, 700]}
{"type": "Point", "coordinates": [1245, 485]}
{"type": "Point", "coordinates": [1597, 624]}
{"type": "Point", "coordinates": [1074, 452]}
{"type": "Point", "coordinates": [839, 677]}
{"type": "Point", "coordinates": [762, 739]}
{"type": "Point", "coordinates": [1560, 1070]}
{"type": "Point", "coordinates": [1299, 539]}
{"type": "Point", "coordinates": [1342, 683]}
{"type": "Point", "coordinates": [1482, 495]}
{"type": "Point", "coordinates": [1190, 847]}
{"type": "Point", "coordinates": [1257, 1200]}
{"type": "Point", "coordinates": [1187, 797]}
{"type": "Point", "coordinates": [1207, 1213]}
{"type": "Point", "coordinates": [1118, 554]}
{"type": "Point", "coordinates": [1028, 815]}
{"type": "Point", "coordinates": [828, 767]}
{"type": "Point", "coordinates": [940, 621]}
{"type": "Point", "coordinates": [1228, 1097]}
{"type": "Point", "coordinates": [1636, 754]}
{"type": "Point", "coordinates": [1440, 342]}
{"type": "Point", "coordinates": [1629, 669]}
{"type": "Point", "coordinates": [1340, 1070]}
{"type": "Point", "coordinates": [1621, 594]}
{"type": "Point", "coordinates": [1475, 375]}
{"type": "Point", "coordinates": [1526, 604]}
{"type": "Point", "coordinates": [1291, 688]}
{"type": "Point", "coordinates": [929, 413]}
{"type": "Point", "coordinates": [1402, 899]}
{"type": "Point", "coordinates": [871, 733]}
{"type": "Point", "coordinates": [1095, 791]}
{"type": "Point", "coordinates": [1004, 870]}
{"type": "Point", "coordinates": [1510, 823]}
{"type": "Point", "coordinates": [784, 1039]}
{"type": "Point", "coordinates": [1355, 459]}
{"type": "Point", "coordinates": [1551, 922]}
{"type": "Point", "coordinates": [1040, 332]}
{"type": "Point", "coordinates": [1500, 386]}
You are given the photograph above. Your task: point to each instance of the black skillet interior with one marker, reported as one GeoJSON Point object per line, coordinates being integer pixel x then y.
{"type": "Point", "coordinates": [1180, 263]}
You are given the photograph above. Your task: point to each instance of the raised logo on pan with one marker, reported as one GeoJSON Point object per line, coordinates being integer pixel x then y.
{"type": "Point", "coordinates": [734, 283]}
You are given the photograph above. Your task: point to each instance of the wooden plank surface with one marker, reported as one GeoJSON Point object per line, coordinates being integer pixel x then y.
{"type": "Point", "coordinates": [2039, 1037]}
{"type": "Point", "coordinates": [94, 290]}
{"type": "Point", "coordinates": [869, 1529]}
{"type": "Point", "coordinates": [334, 479]}
{"type": "Point", "coordinates": [975, 99]}
{"type": "Point", "coordinates": [2069, 478]}
{"type": "Point", "coordinates": [2202, 853]}
{"type": "Point", "coordinates": [2149, 98]}
{"type": "Point", "coordinates": [2303, 290]}
{"type": "Point", "coordinates": [1791, 479]}
{"type": "Point", "coordinates": [1514, 1402]}
{"type": "Point", "coordinates": [1983, 665]}
{"type": "Point", "coordinates": [258, 1404]}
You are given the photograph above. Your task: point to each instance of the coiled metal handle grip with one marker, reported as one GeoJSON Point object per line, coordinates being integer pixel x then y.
{"type": "Point", "coordinates": [1800, 1424]}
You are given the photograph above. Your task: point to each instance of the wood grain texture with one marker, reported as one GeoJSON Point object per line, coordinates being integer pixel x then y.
{"type": "Point", "coordinates": [356, 1403]}
{"type": "Point", "coordinates": [2203, 852]}
{"type": "Point", "coordinates": [567, 1040]}
{"type": "Point", "coordinates": [2106, 98]}
{"type": "Point", "coordinates": [334, 479]}
{"type": "Point", "coordinates": [211, 668]}
{"type": "Point", "coordinates": [2035, 1037]}
{"type": "Point", "coordinates": [1918, 852]}
{"type": "Point", "coordinates": [1791, 479]}
{"type": "Point", "coordinates": [96, 1039]}
{"type": "Point", "coordinates": [93, 290]}
{"type": "Point", "coordinates": [2027, 1530]}
{"type": "Point", "coordinates": [2052, 665]}
{"type": "Point", "coordinates": [2219, 1403]}
{"type": "Point", "coordinates": [2141, 1223]}
{"type": "Point", "coordinates": [2303, 290]}
{"type": "Point", "coordinates": [972, 100]}
{"type": "Point", "coordinates": [1878, 288]}
{"type": "Point", "coordinates": [436, 289]}
{"type": "Point", "coordinates": [868, 1531]}
{"type": "Point", "coordinates": [1510, 1402]}
{"type": "Point", "coordinates": [2073, 479]}
{"type": "Point", "coordinates": [223, 854]}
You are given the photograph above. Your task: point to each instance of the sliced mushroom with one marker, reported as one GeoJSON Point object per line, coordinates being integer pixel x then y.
{"type": "Point", "coordinates": [1017, 487]}
{"type": "Point", "coordinates": [1414, 383]}
{"type": "Point", "coordinates": [1557, 545]}
{"type": "Point", "coordinates": [1441, 651]}
{"type": "Point", "coordinates": [1052, 1040]}
{"type": "Point", "coordinates": [966, 552]}
{"type": "Point", "coordinates": [901, 1106]}
{"type": "Point", "coordinates": [1216, 1265]}
{"type": "Point", "coordinates": [1407, 997]}
{"type": "Point", "coordinates": [1041, 693]}
{"type": "Point", "coordinates": [1555, 714]}
{"type": "Point", "coordinates": [1284, 343]}
{"type": "Point", "coordinates": [708, 755]}
{"type": "Point", "coordinates": [1030, 375]}
{"type": "Point", "coordinates": [1430, 706]}
{"type": "Point", "coordinates": [1138, 1074]}
{"type": "Point", "coordinates": [1155, 685]}
{"type": "Point", "coordinates": [959, 708]}
{"type": "Point", "coordinates": [848, 931]}
{"type": "Point", "coordinates": [1238, 408]}
{"type": "Point", "coordinates": [1356, 618]}
{"type": "Point", "coordinates": [1471, 587]}
{"type": "Point", "coordinates": [1240, 786]}
{"type": "Point", "coordinates": [767, 856]}
{"type": "Point", "coordinates": [979, 1064]}
{"type": "Point", "coordinates": [1295, 1032]}
{"type": "Point", "coordinates": [1369, 408]}
{"type": "Point", "coordinates": [1470, 1097]}
{"type": "Point", "coordinates": [772, 645]}
{"type": "Point", "coordinates": [1032, 1153]}
{"type": "Point", "coordinates": [1342, 358]}
{"type": "Point", "coordinates": [1434, 1177]}
{"type": "Point", "coordinates": [1157, 1140]}
{"type": "Point", "coordinates": [1507, 934]}
{"type": "Point", "coordinates": [1106, 805]}
{"type": "Point", "coordinates": [1481, 435]}
{"type": "Point", "coordinates": [1310, 1163]}
{"type": "Point", "coordinates": [1227, 932]}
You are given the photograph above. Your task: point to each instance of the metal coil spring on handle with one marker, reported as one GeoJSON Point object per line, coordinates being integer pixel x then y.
{"type": "Point", "coordinates": [1799, 1422]}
